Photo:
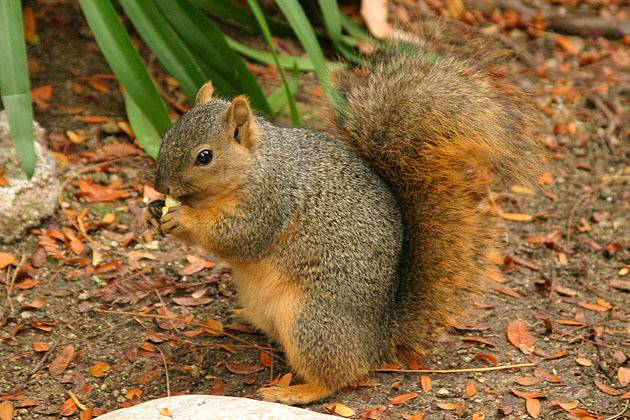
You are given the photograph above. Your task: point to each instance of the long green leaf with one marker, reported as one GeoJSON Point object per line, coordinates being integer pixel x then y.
{"type": "Point", "coordinates": [278, 98]}
{"type": "Point", "coordinates": [306, 35]}
{"type": "Point", "coordinates": [15, 85]}
{"type": "Point", "coordinates": [166, 45]}
{"type": "Point", "coordinates": [231, 11]}
{"type": "Point", "coordinates": [145, 133]}
{"type": "Point", "coordinates": [260, 17]}
{"type": "Point", "coordinates": [332, 19]}
{"type": "Point", "coordinates": [209, 44]}
{"type": "Point", "coordinates": [125, 61]}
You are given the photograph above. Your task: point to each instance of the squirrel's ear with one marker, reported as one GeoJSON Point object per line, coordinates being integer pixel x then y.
{"type": "Point", "coordinates": [240, 122]}
{"type": "Point", "coordinates": [205, 93]}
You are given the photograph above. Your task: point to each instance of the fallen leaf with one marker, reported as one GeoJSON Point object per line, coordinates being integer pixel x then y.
{"type": "Point", "coordinates": [607, 389]}
{"type": "Point", "coordinates": [517, 217]}
{"type": "Point", "coordinates": [243, 368]}
{"type": "Point", "coordinates": [374, 13]}
{"type": "Point", "coordinates": [38, 346]}
{"type": "Point", "coordinates": [193, 268]}
{"type": "Point", "coordinates": [191, 301]}
{"type": "Point", "coordinates": [265, 359]}
{"type": "Point", "coordinates": [471, 389]}
{"type": "Point", "coordinates": [623, 375]}
{"type": "Point", "coordinates": [217, 387]}
{"type": "Point", "coordinates": [519, 337]}
{"type": "Point", "coordinates": [447, 406]}
{"type": "Point", "coordinates": [487, 357]}
{"type": "Point", "coordinates": [528, 380]}
{"type": "Point", "coordinates": [68, 408]}
{"type": "Point", "coordinates": [620, 284]}
{"type": "Point", "coordinates": [6, 410]}
{"type": "Point", "coordinates": [61, 362]}
{"type": "Point", "coordinates": [478, 416]}
{"type": "Point", "coordinates": [165, 411]}
{"type": "Point", "coordinates": [340, 410]}
{"type": "Point", "coordinates": [93, 192]}
{"type": "Point", "coordinates": [533, 407]}
{"type": "Point", "coordinates": [36, 304]}
{"type": "Point", "coordinates": [583, 361]}
{"type": "Point", "coordinates": [571, 405]}
{"type": "Point", "coordinates": [592, 306]}
{"type": "Point", "coordinates": [426, 383]}
{"type": "Point", "coordinates": [134, 393]}
{"type": "Point", "coordinates": [99, 369]}
{"type": "Point", "coordinates": [7, 259]}
{"type": "Point", "coordinates": [213, 326]}
{"type": "Point", "coordinates": [509, 292]}
{"type": "Point", "coordinates": [566, 44]}
{"type": "Point", "coordinates": [528, 394]}
{"type": "Point", "coordinates": [87, 414]}
{"type": "Point", "coordinates": [26, 284]}
{"type": "Point", "coordinates": [403, 398]}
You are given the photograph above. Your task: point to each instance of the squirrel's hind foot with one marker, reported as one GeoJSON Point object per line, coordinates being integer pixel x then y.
{"type": "Point", "coordinates": [295, 394]}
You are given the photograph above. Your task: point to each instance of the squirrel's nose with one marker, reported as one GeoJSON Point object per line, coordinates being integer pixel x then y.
{"type": "Point", "coordinates": [160, 185]}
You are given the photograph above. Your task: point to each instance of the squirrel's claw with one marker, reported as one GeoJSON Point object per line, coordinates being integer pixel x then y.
{"type": "Point", "coordinates": [170, 221]}
{"type": "Point", "coordinates": [295, 394]}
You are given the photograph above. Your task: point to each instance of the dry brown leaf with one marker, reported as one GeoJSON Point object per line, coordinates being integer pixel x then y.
{"type": "Point", "coordinates": [7, 259]}
{"type": "Point", "coordinates": [87, 414]}
{"type": "Point", "coordinates": [593, 306]}
{"type": "Point", "coordinates": [36, 304]}
{"type": "Point", "coordinates": [403, 398]}
{"type": "Point", "coordinates": [26, 284]}
{"type": "Point", "coordinates": [61, 362]}
{"type": "Point", "coordinates": [478, 416]}
{"type": "Point", "coordinates": [426, 382]}
{"type": "Point", "coordinates": [68, 408]}
{"type": "Point", "coordinates": [517, 217]}
{"type": "Point", "coordinates": [265, 359]}
{"type": "Point", "coordinates": [99, 369]}
{"type": "Point", "coordinates": [447, 406]}
{"type": "Point", "coordinates": [6, 410]}
{"type": "Point", "coordinates": [607, 389]}
{"type": "Point", "coordinates": [570, 405]}
{"type": "Point", "coordinates": [528, 394]}
{"type": "Point", "coordinates": [38, 346]}
{"type": "Point", "coordinates": [519, 337]}
{"type": "Point", "coordinates": [213, 326]}
{"type": "Point", "coordinates": [166, 412]}
{"type": "Point", "coordinates": [582, 361]}
{"type": "Point", "coordinates": [194, 267]}
{"type": "Point", "coordinates": [134, 393]}
{"type": "Point", "coordinates": [528, 380]}
{"type": "Point", "coordinates": [487, 357]}
{"type": "Point", "coordinates": [243, 368]}
{"type": "Point", "coordinates": [533, 407]}
{"type": "Point", "coordinates": [340, 410]}
{"type": "Point", "coordinates": [191, 301]}
{"type": "Point", "coordinates": [623, 375]}
{"type": "Point", "coordinates": [374, 13]}
{"type": "Point", "coordinates": [471, 389]}
{"type": "Point", "coordinates": [217, 387]}
{"type": "Point", "coordinates": [93, 192]}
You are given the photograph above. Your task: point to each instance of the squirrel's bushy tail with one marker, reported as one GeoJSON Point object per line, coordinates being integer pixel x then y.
{"type": "Point", "coordinates": [440, 131]}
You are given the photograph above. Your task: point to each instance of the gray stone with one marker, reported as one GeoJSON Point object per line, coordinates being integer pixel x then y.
{"type": "Point", "coordinates": [201, 407]}
{"type": "Point", "coordinates": [23, 203]}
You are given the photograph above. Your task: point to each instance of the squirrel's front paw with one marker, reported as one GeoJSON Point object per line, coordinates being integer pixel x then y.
{"type": "Point", "coordinates": [295, 394]}
{"type": "Point", "coordinates": [171, 221]}
{"type": "Point", "coordinates": [153, 215]}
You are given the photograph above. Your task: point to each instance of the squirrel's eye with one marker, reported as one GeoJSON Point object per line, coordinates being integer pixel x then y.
{"type": "Point", "coordinates": [204, 157]}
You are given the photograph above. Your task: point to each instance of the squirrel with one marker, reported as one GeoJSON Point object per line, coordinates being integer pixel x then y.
{"type": "Point", "coordinates": [346, 247]}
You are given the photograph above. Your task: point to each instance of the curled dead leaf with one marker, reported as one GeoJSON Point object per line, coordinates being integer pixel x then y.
{"type": "Point", "coordinates": [403, 398]}
{"type": "Point", "coordinates": [533, 406]}
{"type": "Point", "coordinates": [519, 337]}
{"type": "Point", "coordinates": [340, 410]}
{"type": "Point", "coordinates": [426, 383]}
{"type": "Point", "coordinates": [99, 369]}
{"type": "Point", "coordinates": [243, 368]}
{"type": "Point", "coordinates": [607, 389]}
{"type": "Point", "coordinates": [61, 362]}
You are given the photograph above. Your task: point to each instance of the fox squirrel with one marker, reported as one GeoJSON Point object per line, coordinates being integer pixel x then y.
{"type": "Point", "coordinates": [347, 246]}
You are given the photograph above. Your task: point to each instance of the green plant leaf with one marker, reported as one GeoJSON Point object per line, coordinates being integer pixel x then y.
{"type": "Point", "coordinates": [306, 35]}
{"type": "Point", "coordinates": [278, 97]}
{"type": "Point", "coordinates": [260, 17]}
{"type": "Point", "coordinates": [207, 41]}
{"type": "Point", "coordinates": [145, 133]}
{"type": "Point", "coordinates": [231, 11]}
{"type": "Point", "coordinates": [15, 85]}
{"type": "Point", "coordinates": [124, 61]}
{"type": "Point", "coordinates": [164, 42]}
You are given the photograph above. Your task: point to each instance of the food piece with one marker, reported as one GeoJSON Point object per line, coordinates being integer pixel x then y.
{"type": "Point", "coordinates": [168, 203]}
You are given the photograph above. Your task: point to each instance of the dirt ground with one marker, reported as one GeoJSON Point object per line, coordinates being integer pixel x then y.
{"type": "Point", "coordinates": [76, 328]}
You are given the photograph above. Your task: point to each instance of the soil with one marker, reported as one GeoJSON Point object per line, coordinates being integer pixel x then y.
{"type": "Point", "coordinates": [564, 273]}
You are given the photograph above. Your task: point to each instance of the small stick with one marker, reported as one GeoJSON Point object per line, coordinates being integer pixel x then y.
{"type": "Point", "coordinates": [11, 283]}
{"type": "Point", "coordinates": [198, 324]}
{"type": "Point", "coordinates": [483, 369]}
{"type": "Point", "coordinates": [168, 382]}
{"type": "Point", "coordinates": [620, 413]}
{"type": "Point", "coordinates": [164, 305]}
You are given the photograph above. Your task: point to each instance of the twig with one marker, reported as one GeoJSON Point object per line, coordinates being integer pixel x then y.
{"type": "Point", "coordinates": [620, 413]}
{"type": "Point", "coordinates": [168, 382]}
{"type": "Point", "coordinates": [11, 284]}
{"type": "Point", "coordinates": [570, 221]}
{"type": "Point", "coordinates": [197, 324]}
{"type": "Point", "coordinates": [164, 305]}
{"type": "Point", "coordinates": [612, 121]}
{"type": "Point", "coordinates": [483, 369]}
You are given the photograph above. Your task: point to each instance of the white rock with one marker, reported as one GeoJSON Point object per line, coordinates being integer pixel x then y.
{"type": "Point", "coordinates": [202, 407]}
{"type": "Point", "coordinates": [24, 203]}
